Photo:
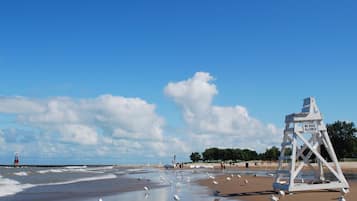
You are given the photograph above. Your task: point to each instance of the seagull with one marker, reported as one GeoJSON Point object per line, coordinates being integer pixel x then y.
{"type": "Point", "coordinates": [146, 188]}
{"type": "Point", "coordinates": [100, 199]}
{"type": "Point", "coordinates": [246, 181]}
{"type": "Point", "coordinates": [238, 175]}
{"type": "Point", "coordinates": [176, 197]}
{"type": "Point", "coordinates": [344, 191]}
{"type": "Point", "coordinates": [211, 177]}
{"type": "Point", "coordinates": [228, 178]}
{"type": "Point", "coordinates": [188, 179]}
{"type": "Point", "coordinates": [274, 198]}
{"type": "Point", "coordinates": [232, 175]}
{"type": "Point", "coordinates": [215, 182]}
{"type": "Point", "coordinates": [281, 193]}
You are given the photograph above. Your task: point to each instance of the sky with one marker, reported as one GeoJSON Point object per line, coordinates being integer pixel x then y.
{"type": "Point", "coordinates": [140, 81]}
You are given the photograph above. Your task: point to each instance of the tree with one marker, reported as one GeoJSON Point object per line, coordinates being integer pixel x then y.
{"type": "Point", "coordinates": [195, 156]}
{"type": "Point", "coordinates": [271, 154]}
{"type": "Point", "coordinates": [211, 154]}
{"type": "Point", "coordinates": [343, 138]}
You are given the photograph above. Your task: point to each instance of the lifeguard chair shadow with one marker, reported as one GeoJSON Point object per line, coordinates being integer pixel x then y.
{"type": "Point", "coordinates": [304, 134]}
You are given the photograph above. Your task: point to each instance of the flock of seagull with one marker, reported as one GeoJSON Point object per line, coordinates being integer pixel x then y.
{"type": "Point", "coordinates": [280, 193]}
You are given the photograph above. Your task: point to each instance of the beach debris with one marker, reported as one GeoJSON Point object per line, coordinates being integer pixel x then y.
{"type": "Point", "coordinates": [146, 188]}
{"type": "Point", "coordinates": [281, 193]}
{"type": "Point", "coordinates": [270, 174]}
{"type": "Point", "coordinates": [274, 198]}
{"type": "Point", "coordinates": [228, 178]}
{"type": "Point", "coordinates": [215, 182]}
{"type": "Point", "coordinates": [146, 195]}
{"type": "Point", "coordinates": [246, 181]}
{"type": "Point", "coordinates": [176, 197]}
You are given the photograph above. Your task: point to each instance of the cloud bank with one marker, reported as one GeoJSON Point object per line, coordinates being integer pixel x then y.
{"type": "Point", "coordinates": [110, 125]}
{"type": "Point", "coordinates": [104, 125]}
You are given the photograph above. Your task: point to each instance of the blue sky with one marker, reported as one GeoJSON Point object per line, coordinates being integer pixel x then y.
{"type": "Point", "coordinates": [265, 56]}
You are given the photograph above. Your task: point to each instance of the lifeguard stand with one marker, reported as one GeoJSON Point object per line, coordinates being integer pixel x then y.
{"type": "Point", "coordinates": [304, 134]}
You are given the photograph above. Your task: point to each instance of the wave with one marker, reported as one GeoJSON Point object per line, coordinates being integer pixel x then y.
{"type": "Point", "coordinates": [103, 177]}
{"type": "Point", "coordinates": [20, 173]}
{"type": "Point", "coordinates": [75, 169]}
{"type": "Point", "coordinates": [50, 170]}
{"type": "Point", "coordinates": [11, 187]}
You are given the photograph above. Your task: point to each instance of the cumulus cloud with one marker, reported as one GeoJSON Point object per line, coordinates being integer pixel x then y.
{"type": "Point", "coordinates": [120, 123]}
{"type": "Point", "coordinates": [80, 120]}
{"type": "Point", "coordinates": [211, 125]}
{"type": "Point", "coordinates": [131, 127]}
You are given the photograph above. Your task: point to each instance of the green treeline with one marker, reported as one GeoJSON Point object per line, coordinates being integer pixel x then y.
{"type": "Point", "coordinates": [342, 135]}
{"type": "Point", "coordinates": [216, 154]}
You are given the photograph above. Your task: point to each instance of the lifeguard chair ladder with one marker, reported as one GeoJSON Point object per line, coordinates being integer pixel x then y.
{"type": "Point", "coordinates": [304, 134]}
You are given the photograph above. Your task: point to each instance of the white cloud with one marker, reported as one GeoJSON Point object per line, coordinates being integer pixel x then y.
{"type": "Point", "coordinates": [129, 123]}
{"type": "Point", "coordinates": [81, 134]}
{"type": "Point", "coordinates": [211, 125]}
{"type": "Point", "coordinates": [130, 127]}
{"type": "Point", "coordinates": [18, 104]}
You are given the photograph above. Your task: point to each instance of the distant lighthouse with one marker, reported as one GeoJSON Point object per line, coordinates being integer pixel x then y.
{"type": "Point", "coordinates": [16, 160]}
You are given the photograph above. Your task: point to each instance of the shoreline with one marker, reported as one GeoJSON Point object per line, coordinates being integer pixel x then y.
{"type": "Point", "coordinates": [82, 190]}
{"type": "Point", "coordinates": [260, 188]}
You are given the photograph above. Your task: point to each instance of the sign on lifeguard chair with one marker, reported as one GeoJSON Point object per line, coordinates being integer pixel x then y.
{"type": "Point", "coordinates": [301, 166]}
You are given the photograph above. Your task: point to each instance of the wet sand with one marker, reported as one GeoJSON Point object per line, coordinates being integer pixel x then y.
{"type": "Point", "coordinates": [81, 190]}
{"type": "Point", "coordinates": [260, 189]}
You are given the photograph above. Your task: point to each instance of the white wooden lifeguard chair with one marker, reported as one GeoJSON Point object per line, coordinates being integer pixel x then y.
{"type": "Point", "coordinates": [304, 134]}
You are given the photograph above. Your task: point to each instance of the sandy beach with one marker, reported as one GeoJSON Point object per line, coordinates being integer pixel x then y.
{"type": "Point", "coordinates": [260, 189]}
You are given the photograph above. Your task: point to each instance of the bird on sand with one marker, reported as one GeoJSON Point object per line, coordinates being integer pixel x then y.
{"type": "Point", "coordinates": [211, 177]}
{"type": "Point", "coordinates": [228, 178]}
{"type": "Point", "coordinates": [176, 197]}
{"type": "Point", "coordinates": [281, 193]}
{"type": "Point", "coordinates": [238, 175]}
{"type": "Point", "coordinates": [215, 182]}
{"type": "Point", "coordinates": [274, 198]}
{"type": "Point", "coordinates": [342, 198]}
{"type": "Point", "coordinates": [100, 199]}
{"type": "Point", "coordinates": [246, 181]}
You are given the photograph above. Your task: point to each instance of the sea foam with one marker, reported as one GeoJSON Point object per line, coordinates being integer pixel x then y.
{"type": "Point", "coordinates": [10, 187]}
